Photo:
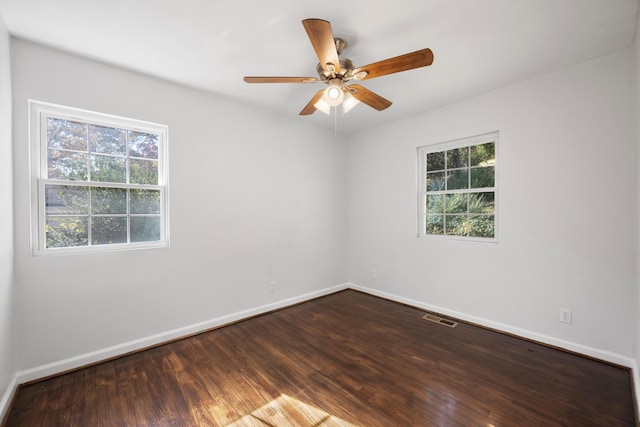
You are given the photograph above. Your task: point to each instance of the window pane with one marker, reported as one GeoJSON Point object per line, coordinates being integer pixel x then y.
{"type": "Point", "coordinates": [435, 161]}
{"type": "Point", "coordinates": [482, 226]}
{"type": "Point", "coordinates": [456, 225]}
{"type": "Point", "coordinates": [66, 200]}
{"type": "Point", "coordinates": [66, 231]}
{"type": "Point", "coordinates": [460, 195]}
{"type": "Point", "coordinates": [100, 179]}
{"type": "Point", "coordinates": [66, 134]}
{"type": "Point", "coordinates": [458, 179]}
{"type": "Point", "coordinates": [108, 201]}
{"type": "Point", "coordinates": [435, 203]}
{"type": "Point", "coordinates": [482, 202]}
{"type": "Point", "coordinates": [108, 168]}
{"type": "Point", "coordinates": [457, 158]}
{"type": "Point", "coordinates": [483, 177]}
{"type": "Point", "coordinates": [436, 181]}
{"type": "Point", "coordinates": [143, 145]}
{"type": "Point", "coordinates": [145, 229]}
{"type": "Point", "coordinates": [456, 203]}
{"type": "Point", "coordinates": [107, 140]}
{"type": "Point", "coordinates": [435, 224]}
{"type": "Point", "coordinates": [483, 154]}
{"type": "Point", "coordinates": [145, 202]}
{"type": "Point", "coordinates": [143, 171]}
{"type": "Point", "coordinates": [66, 165]}
{"type": "Point", "coordinates": [108, 229]}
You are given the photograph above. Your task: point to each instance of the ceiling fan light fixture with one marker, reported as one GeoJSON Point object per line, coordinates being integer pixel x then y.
{"type": "Point", "coordinates": [334, 94]}
{"type": "Point", "coordinates": [349, 102]}
{"type": "Point", "coordinates": [322, 105]}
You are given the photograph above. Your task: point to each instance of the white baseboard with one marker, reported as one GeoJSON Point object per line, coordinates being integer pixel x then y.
{"type": "Point", "coordinates": [142, 343]}
{"type": "Point", "coordinates": [545, 339]}
{"type": "Point", "coordinates": [7, 397]}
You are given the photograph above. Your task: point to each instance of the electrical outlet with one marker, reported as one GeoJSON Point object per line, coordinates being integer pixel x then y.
{"type": "Point", "coordinates": [373, 274]}
{"type": "Point", "coordinates": [565, 315]}
{"type": "Point", "coordinates": [272, 286]}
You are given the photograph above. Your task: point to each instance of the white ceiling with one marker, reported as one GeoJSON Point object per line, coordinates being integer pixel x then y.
{"type": "Point", "coordinates": [478, 45]}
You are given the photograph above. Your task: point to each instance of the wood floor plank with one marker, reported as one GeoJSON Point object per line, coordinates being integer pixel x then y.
{"type": "Point", "coordinates": [347, 359]}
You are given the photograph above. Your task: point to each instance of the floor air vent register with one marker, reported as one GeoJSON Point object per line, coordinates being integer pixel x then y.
{"type": "Point", "coordinates": [440, 320]}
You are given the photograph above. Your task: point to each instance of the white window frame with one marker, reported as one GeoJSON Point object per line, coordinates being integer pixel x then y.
{"type": "Point", "coordinates": [38, 114]}
{"type": "Point", "coordinates": [422, 183]}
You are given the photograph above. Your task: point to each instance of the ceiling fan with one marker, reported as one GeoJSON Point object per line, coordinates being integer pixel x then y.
{"type": "Point", "coordinates": [336, 71]}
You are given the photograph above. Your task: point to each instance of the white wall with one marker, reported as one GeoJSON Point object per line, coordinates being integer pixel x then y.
{"type": "Point", "coordinates": [254, 198]}
{"type": "Point", "coordinates": [567, 225]}
{"type": "Point", "coordinates": [7, 339]}
{"type": "Point", "coordinates": [636, 93]}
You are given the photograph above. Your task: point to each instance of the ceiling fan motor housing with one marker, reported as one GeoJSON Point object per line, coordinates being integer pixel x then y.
{"type": "Point", "coordinates": [346, 67]}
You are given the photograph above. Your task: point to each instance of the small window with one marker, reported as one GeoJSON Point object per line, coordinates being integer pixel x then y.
{"type": "Point", "coordinates": [100, 181]}
{"type": "Point", "coordinates": [457, 188]}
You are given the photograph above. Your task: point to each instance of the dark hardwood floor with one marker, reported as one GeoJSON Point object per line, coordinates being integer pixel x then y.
{"type": "Point", "coordinates": [347, 359]}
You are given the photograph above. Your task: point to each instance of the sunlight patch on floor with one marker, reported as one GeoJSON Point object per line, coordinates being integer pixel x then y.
{"type": "Point", "coordinates": [285, 411]}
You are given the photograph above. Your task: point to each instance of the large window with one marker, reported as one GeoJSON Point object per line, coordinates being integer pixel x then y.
{"type": "Point", "coordinates": [457, 189]}
{"type": "Point", "coordinates": [100, 181]}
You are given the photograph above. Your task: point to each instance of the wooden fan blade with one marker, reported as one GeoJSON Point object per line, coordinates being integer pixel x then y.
{"type": "Point", "coordinates": [309, 108]}
{"type": "Point", "coordinates": [321, 37]}
{"type": "Point", "coordinates": [252, 79]}
{"type": "Point", "coordinates": [408, 61]}
{"type": "Point", "coordinates": [372, 99]}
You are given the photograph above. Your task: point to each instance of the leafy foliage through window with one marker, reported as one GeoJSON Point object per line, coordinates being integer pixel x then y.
{"type": "Point", "coordinates": [458, 188]}
{"type": "Point", "coordinates": [101, 181]}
